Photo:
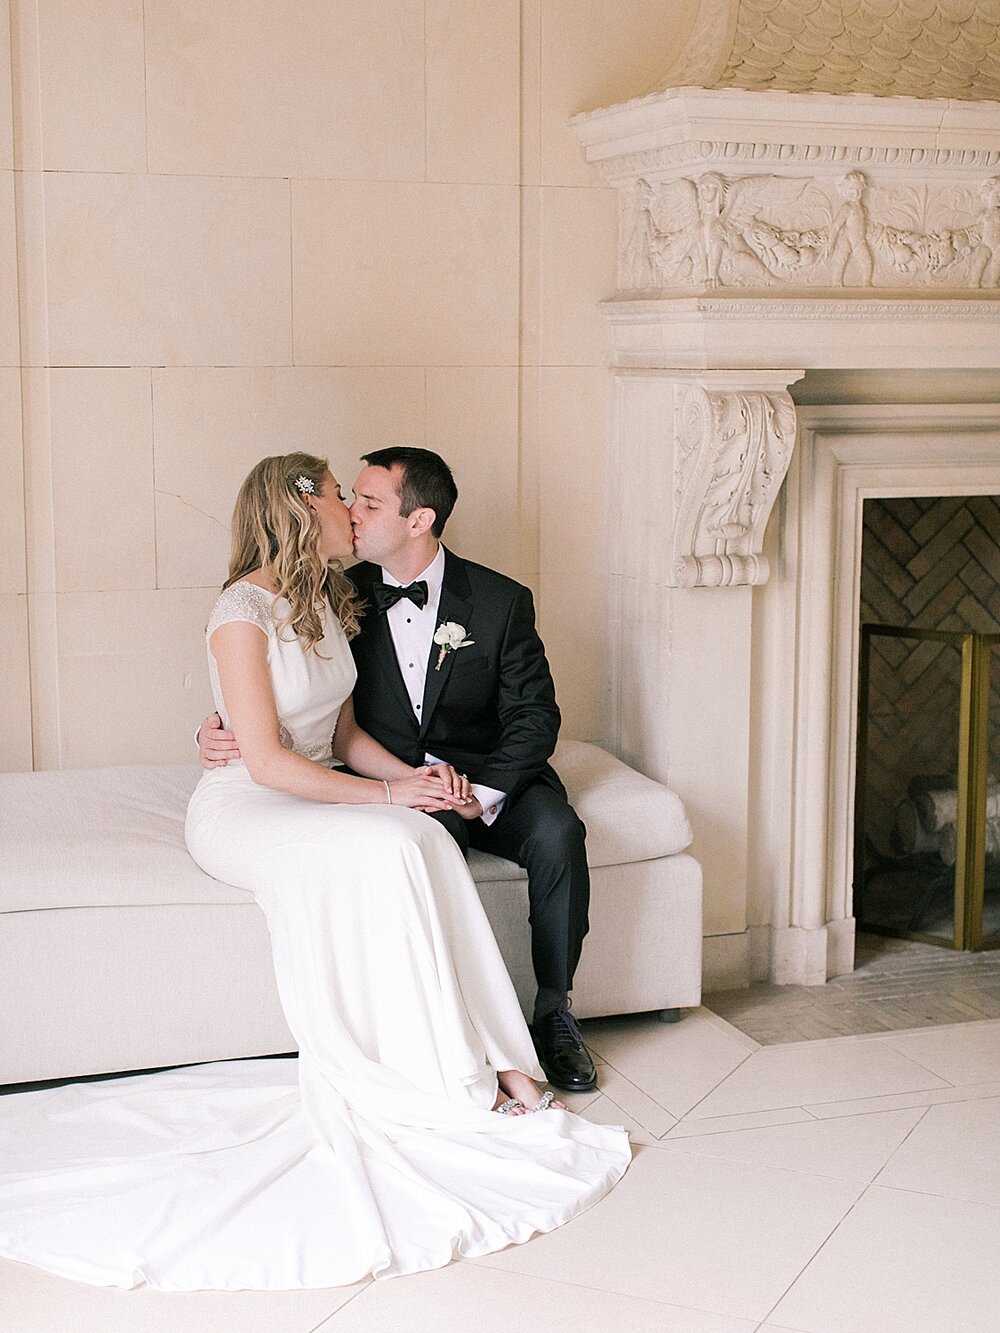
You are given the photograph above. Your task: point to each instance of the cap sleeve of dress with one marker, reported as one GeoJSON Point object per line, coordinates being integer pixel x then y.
{"type": "Point", "coordinates": [243, 601]}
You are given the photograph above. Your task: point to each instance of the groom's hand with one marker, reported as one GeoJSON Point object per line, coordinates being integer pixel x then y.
{"type": "Point", "coordinates": [471, 811]}
{"type": "Point", "coordinates": [456, 790]}
{"type": "Point", "coordinates": [455, 783]}
{"type": "Point", "coordinates": [425, 790]}
{"type": "Point", "coordinates": [216, 747]}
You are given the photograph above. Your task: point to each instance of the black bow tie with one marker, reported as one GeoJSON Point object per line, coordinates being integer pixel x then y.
{"type": "Point", "coordinates": [387, 595]}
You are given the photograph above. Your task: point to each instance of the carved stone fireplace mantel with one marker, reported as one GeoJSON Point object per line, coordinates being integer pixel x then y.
{"type": "Point", "coordinates": [764, 235]}
{"type": "Point", "coordinates": [849, 330]}
{"type": "Point", "coordinates": [726, 189]}
{"type": "Point", "coordinates": [769, 229]}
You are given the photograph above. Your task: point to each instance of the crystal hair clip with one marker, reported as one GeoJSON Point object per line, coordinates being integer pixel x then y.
{"type": "Point", "coordinates": [305, 484]}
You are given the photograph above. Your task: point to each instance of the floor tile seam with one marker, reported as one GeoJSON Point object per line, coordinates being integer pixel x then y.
{"type": "Point", "coordinates": [920, 1065]}
{"type": "Point", "coordinates": [858, 1182]}
{"type": "Point", "coordinates": [936, 1194]}
{"type": "Point", "coordinates": [667, 1145]}
{"type": "Point", "coordinates": [810, 1119]}
{"type": "Point", "coordinates": [484, 1262]}
{"type": "Point", "coordinates": [899, 1033]}
{"type": "Point", "coordinates": [643, 1093]}
{"type": "Point", "coordinates": [919, 1121]}
{"type": "Point", "coordinates": [770, 1043]}
{"type": "Point", "coordinates": [745, 1044]}
{"type": "Point", "coordinates": [621, 1074]}
{"type": "Point", "coordinates": [748, 1056]}
{"type": "Point", "coordinates": [768, 1318]}
{"type": "Point", "coordinates": [326, 1323]}
{"type": "Point", "coordinates": [628, 1115]}
{"type": "Point", "coordinates": [892, 1034]}
{"type": "Point", "coordinates": [805, 1043]}
{"type": "Point", "coordinates": [643, 1129]}
{"type": "Point", "coordinates": [881, 1110]}
{"type": "Point", "coordinates": [791, 1106]}
{"type": "Point", "coordinates": [875, 1110]}
{"type": "Point", "coordinates": [943, 1086]}
{"type": "Point", "coordinates": [625, 1112]}
{"type": "Point", "coordinates": [972, 1023]}
{"type": "Point", "coordinates": [729, 1030]}
{"type": "Point", "coordinates": [773, 1043]}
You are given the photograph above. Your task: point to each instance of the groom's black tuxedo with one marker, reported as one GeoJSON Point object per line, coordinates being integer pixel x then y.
{"type": "Point", "coordinates": [491, 712]}
{"type": "Point", "coordinates": [490, 709]}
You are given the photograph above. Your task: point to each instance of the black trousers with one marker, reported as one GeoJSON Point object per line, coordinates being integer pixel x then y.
{"type": "Point", "coordinates": [544, 834]}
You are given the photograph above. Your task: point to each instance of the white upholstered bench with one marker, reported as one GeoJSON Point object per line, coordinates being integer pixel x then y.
{"type": "Point", "coordinates": [117, 952]}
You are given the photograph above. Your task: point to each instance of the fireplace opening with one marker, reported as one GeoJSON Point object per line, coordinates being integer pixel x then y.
{"type": "Point", "coordinates": [927, 820]}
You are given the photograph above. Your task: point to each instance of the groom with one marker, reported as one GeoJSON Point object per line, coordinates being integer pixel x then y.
{"type": "Point", "coordinates": [451, 668]}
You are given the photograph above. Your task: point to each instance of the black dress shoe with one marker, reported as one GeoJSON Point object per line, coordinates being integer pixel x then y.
{"type": "Point", "coordinates": [562, 1054]}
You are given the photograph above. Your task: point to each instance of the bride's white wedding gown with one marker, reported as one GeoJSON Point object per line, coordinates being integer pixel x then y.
{"type": "Point", "coordinates": [380, 1153]}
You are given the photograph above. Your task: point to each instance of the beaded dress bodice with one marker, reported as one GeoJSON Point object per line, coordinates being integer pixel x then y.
{"type": "Point", "coordinates": [310, 686]}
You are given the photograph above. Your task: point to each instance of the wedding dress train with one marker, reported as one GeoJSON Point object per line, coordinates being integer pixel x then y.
{"type": "Point", "coordinates": [376, 1151]}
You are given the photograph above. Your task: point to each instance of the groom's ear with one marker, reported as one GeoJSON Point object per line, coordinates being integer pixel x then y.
{"type": "Point", "coordinates": [421, 520]}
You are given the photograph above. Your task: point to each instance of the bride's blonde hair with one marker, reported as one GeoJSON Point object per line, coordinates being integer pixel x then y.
{"type": "Point", "coordinates": [274, 529]}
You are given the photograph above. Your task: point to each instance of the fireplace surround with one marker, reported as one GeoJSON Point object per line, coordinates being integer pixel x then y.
{"type": "Point", "coordinates": [808, 314]}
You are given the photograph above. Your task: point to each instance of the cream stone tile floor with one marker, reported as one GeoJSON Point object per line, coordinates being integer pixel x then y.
{"type": "Point", "coordinates": [848, 1185]}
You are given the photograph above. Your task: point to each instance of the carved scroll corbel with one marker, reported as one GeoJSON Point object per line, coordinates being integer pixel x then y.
{"type": "Point", "coordinates": [733, 448]}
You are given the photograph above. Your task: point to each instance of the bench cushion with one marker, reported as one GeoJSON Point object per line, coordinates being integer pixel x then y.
{"type": "Point", "coordinates": [115, 836]}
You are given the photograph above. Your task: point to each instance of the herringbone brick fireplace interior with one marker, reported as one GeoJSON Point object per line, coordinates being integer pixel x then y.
{"type": "Point", "coordinates": [928, 563]}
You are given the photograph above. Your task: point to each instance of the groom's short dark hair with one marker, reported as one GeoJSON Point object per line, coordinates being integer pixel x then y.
{"type": "Point", "coordinates": [426, 481]}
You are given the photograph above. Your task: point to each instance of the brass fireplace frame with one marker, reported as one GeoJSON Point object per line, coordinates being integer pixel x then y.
{"type": "Point", "coordinates": [972, 775]}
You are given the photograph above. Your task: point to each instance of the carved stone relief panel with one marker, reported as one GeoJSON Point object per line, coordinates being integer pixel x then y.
{"type": "Point", "coordinates": [790, 232]}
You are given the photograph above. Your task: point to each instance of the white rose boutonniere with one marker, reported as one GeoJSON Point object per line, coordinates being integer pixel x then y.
{"type": "Point", "coordinates": [450, 636]}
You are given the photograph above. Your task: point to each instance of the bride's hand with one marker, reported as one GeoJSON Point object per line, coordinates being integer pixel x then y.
{"type": "Point", "coordinates": [456, 783]}
{"type": "Point", "coordinates": [424, 791]}
{"type": "Point", "coordinates": [216, 746]}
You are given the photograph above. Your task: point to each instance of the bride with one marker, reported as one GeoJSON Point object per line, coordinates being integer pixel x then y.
{"type": "Point", "coordinates": [415, 1132]}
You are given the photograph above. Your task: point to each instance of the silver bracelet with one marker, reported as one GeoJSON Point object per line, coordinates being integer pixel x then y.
{"type": "Point", "coordinates": [388, 793]}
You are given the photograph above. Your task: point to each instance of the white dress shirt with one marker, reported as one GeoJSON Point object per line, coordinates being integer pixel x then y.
{"type": "Point", "coordinates": [412, 629]}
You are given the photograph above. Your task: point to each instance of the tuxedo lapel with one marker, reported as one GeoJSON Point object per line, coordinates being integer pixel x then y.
{"type": "Point", "coordinates": [380, 655]}
{"type": "Point", "coordinates": [455, 605]}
